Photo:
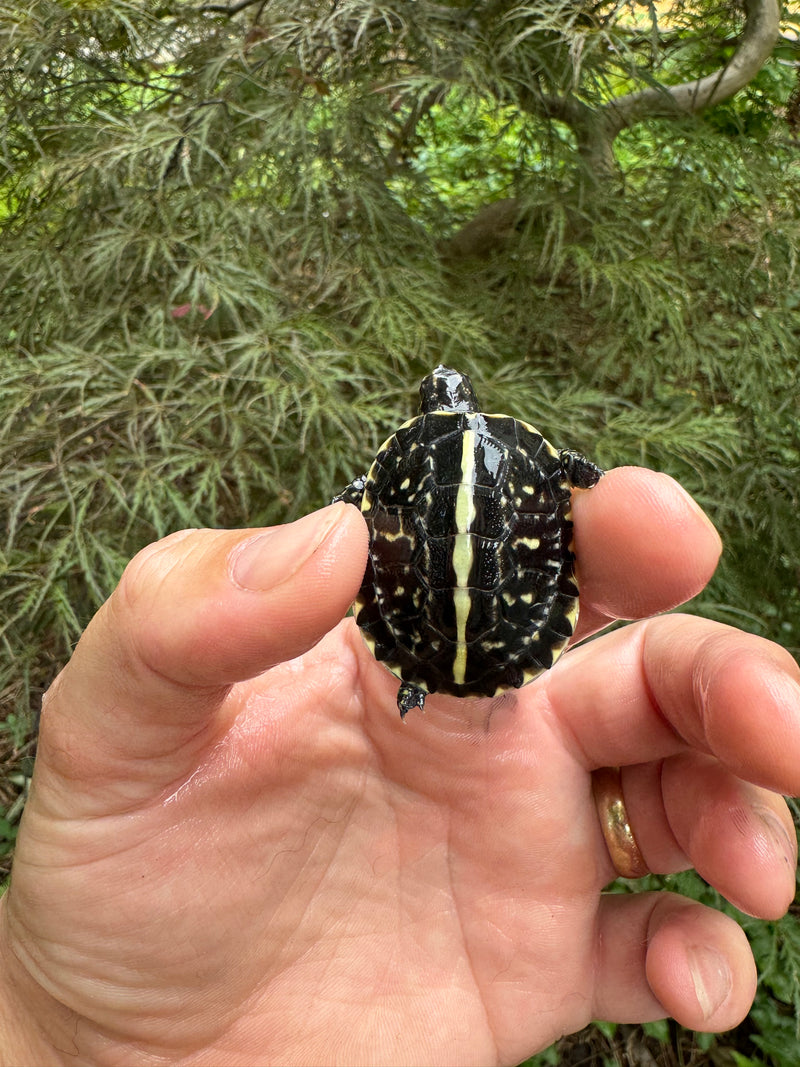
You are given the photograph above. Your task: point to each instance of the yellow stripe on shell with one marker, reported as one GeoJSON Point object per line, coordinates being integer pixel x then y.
{"type": "Point", "coordinates": [462, 552]}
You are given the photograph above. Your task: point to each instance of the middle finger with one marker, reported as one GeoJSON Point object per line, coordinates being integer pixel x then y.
{"type": "Point", "coordinates": [665, 685]}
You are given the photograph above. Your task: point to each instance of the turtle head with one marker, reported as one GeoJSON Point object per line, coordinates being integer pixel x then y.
{"type": "Point", "coordinates": [447, 390]}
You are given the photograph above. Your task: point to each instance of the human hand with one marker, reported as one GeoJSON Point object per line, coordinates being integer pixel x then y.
{"type": "Point", "coordinates": [235, 852]}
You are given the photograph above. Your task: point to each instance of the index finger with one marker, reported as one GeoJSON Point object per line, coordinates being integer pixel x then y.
{"type": "Point", "coordinates": [643, 546]}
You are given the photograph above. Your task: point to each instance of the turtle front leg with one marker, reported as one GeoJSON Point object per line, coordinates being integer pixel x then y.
{"type": "Point", "coordinates": [581, 472]}
{"type": "Point", "coordinates": [353, 493]}
{"type": "Point", "coordinates": [410, 696]}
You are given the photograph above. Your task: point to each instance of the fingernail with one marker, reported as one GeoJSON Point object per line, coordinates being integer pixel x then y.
{"type": "Point", "coordinates": [271, 557]}
{"type": "Point", "coordinates": [784, 846]}
{"type": "Point", "coordinates": [711, 978]}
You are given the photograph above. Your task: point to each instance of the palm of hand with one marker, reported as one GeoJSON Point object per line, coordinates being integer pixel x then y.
{"type": "Point", "coordinates": [283, 870]}
{"type": "Point", "coordinates": [355, 885]}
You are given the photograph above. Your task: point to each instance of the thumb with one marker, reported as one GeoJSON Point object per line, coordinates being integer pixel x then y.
{"type": "Point", "coordinates": [193, 614]}
{"type": "Point", "coordinates": [209, 607]}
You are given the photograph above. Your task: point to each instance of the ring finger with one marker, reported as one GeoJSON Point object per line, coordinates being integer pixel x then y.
{"type": "Point", "coordinates": [689, 811]}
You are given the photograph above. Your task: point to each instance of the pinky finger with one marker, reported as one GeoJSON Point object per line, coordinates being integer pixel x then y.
{"type": "Point", "coordinates": [661, 954]}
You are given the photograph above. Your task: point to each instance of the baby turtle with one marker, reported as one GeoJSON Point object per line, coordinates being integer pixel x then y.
{"type": "Point", "coordinates": [470, 586]}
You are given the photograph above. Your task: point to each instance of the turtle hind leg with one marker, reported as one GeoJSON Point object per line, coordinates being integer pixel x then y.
{"type": "Point", "coordinates": [410, 696]}
{"type": "Point", "coordinates": [580, 471]}
{"type": "Point", "coordinates": [353, 493]}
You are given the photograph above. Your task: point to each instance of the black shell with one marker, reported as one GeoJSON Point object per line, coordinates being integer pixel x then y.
{"type": "Point", "coordinates": [470, 586]}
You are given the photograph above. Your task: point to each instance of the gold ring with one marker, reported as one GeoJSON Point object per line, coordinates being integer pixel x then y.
{"type": "Point", "coordinates": [621, 844]}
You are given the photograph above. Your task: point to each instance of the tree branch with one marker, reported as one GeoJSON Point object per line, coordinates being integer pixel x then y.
{"type": "Point", "coordinates": [228, 9]}
{"type": "Point", "coordinates": [761, 32]}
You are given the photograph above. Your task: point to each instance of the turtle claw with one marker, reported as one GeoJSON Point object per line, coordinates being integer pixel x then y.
{"type": "Point", "coordinates": [581, 472]}
{"type": "Point", "coordinates": [410, 696]}
{"type": "Point", "coordinates": [353, 493]}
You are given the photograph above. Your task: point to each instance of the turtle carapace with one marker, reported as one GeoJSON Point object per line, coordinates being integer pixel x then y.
{"type": "Point", "coordinates": [470, 585]}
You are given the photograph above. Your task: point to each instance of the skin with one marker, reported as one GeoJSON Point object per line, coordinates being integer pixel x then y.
{"type": "Point", "coordinates": [234, 851]}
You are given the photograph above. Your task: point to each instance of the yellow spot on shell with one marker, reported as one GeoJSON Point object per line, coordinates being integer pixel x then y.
{"type": "Point", "coordinates": [530, 542]}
